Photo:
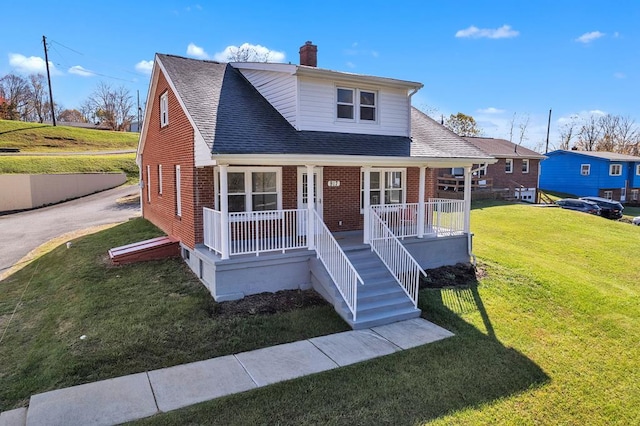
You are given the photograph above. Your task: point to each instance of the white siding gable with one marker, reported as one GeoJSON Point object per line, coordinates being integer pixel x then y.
{"type": "Point", "coordinates": [317, 109]}
{"type": "Point", "coordinates": [276, 87]}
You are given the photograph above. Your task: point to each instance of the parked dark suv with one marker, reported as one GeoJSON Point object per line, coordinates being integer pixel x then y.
{"type": "Point", "coordinates": [579, 205]}
{"type": "Point", "coordinates": [610, 209]}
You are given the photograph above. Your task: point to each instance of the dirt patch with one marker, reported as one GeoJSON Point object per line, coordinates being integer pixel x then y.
{"type": "Point", "coordinates": [460, 275]}
{"type": "Point", "coordinates": [268, 303]}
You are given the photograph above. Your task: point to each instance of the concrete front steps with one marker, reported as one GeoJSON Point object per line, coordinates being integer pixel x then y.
{"type": "Point", "coordinates": [381, 300]}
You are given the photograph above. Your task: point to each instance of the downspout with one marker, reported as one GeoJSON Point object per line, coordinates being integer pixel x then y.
{"type": "Point", "coordinates": [413, 92]}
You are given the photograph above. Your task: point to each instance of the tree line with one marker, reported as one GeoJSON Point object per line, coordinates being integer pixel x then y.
{"type": "Point", "coordinates": [612, 133]}
{"type": "Point", "coordinates": [27, 99]}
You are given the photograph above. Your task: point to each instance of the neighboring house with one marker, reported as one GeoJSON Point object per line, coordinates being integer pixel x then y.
{"type": "Point", "coordinates": [515, 174]}
{"type": "Point", "coordinates": [280, 176]}
{"type": "Point", "coordinates": [592, 173]}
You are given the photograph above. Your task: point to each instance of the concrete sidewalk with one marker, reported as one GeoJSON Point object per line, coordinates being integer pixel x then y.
{"type": "Point", "coordinates": [136, 396]}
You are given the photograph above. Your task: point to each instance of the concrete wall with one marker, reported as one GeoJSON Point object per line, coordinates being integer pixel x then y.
{"type": "Point", "coordinates": [20, 192]}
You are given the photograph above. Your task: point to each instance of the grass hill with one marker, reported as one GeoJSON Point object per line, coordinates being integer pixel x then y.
{"type": "Point", "coordinates": [42, 144]}
{"type": "Point", "coordinates": [37, 137]}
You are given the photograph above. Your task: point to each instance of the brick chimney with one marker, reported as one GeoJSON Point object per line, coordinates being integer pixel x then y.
{"type": "Point", "coordinates": [309, 54]}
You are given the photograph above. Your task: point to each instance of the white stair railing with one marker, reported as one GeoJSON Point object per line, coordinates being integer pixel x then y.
{"type": "Point", "coordinates": [395, 256]}
{"type": "Point", "coordinates": [342, 272]}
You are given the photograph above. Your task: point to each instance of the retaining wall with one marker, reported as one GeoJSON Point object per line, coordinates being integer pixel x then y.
{"type": "Point", "coordinates": [21, 192]}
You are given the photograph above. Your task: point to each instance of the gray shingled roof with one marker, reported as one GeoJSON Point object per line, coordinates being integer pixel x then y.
{"type": "Point", "coordinates": [234, 118]}
{"type": "Point", "coordinates": [502, 148]}
{"type": "Point", "coordinates": [611, 156]}
{"type": "Point", "coordinates": [431, 139]}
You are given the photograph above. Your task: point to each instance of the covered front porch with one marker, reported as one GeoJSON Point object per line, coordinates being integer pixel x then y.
{"type": "Point", "coordinates": [371, 275]}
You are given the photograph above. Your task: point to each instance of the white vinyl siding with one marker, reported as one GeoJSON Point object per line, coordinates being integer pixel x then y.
{"type": "Point", "coordinates": [277, 88]}
{"type": "Point", "coordinates": [317, 109]}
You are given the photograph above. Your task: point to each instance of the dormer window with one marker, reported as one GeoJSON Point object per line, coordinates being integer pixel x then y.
{"type": "Point", "coordinates": [345, 103]}
{"type": "Point", "coordinates": [351, 100]}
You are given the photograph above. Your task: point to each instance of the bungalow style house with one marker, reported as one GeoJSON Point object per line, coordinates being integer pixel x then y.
{"type": "Point", "coordinates": [593, 173]}
{"type": "Point", "coordinates": [280, 176]}
{"type": "Point", "coordinates": [515, 174]}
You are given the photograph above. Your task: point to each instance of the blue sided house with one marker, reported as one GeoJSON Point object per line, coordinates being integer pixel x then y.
{"type": "Point", "coordinates": [592, 173]}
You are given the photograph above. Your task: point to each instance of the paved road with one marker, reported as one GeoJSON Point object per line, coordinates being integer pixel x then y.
{"type": "Point", "coordinates": [22, 232]}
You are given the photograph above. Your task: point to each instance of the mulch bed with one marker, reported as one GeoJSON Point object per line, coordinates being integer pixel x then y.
{"type": "Point", "coordinates": [459, 275]}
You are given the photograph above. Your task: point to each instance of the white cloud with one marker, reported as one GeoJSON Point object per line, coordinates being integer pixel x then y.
{"type": "Point", "coordinates": [196, 51]}
{"type": "Point", "coordinates": [30, 65]}
{"type": "Point", "coordinates": [504, 31]}
{"type": "Point", "coordinates": [79, 70]}
{"type": "Point", "coordinates": [490, 110]}
{"type": "Point", "coordinates": [619, 75]}
{"type": "Point", "coordinates": [255, 53]}
{"type": "Point", "coordinates": [351, 64]}
{"type": "Point", "coordinates": [589, 37]}
{"type": "Point", "coordinates": [144, 67]}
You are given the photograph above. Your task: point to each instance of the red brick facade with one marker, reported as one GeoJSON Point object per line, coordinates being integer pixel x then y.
{"type": "Point", "coordinates": [169, 146]}
{"type": "Point", "coordinates": [502, 179]}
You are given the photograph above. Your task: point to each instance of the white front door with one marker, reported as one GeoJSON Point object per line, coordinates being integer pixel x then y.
{"type": "Point", "coordinates": [302, 188]}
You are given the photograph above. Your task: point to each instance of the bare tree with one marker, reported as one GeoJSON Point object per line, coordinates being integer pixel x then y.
{"type": "Point", "coordinates": [627, 135]}
{"type": "Point", "coordinates": [15, 91]}
{"type": "Point", "coordinates": [111, 106]}
{"type": "Point", "coordinates": [568, 132]}
{"type": "Point", "coordinates": [589, 134]}
{"type": "Point", "coordinates": [37, 97]}
{"type": "Point", "coordinates": [463, 125]}
{"type": "Point", "coordinates": [71, 116]}
{"type": "Point", "coordinates": [608, 133]}
{"type": "Point", "coordinates": [247, 53]}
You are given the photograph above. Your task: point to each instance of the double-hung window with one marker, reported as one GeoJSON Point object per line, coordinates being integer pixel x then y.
{"type": "Point", "coordinates": [164, 109]}
{"type": "Point", "coordinates": [637, 169]}
{"type": "Point", "coordinates": [508, 165]}
{"type": "Point", "coordinates": [386, 186]}
{"type": "Point", "coordinates": [615, 169]}
{"type": "Point", "coordinates": [525, 165]}
{"type": "Point", "coordinates": [254, 189]}
{"type": "Point", "coordinates": [160, 179]}
{"type": "Point", "coordinates": [585, 169]}
{"type": "Point", "coordinates": [356, 104]}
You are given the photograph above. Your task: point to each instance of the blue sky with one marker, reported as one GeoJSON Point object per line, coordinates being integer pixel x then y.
{"type": "Point", "coordinates": [488, 59]}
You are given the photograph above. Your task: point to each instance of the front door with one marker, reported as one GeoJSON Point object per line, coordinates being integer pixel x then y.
{"type": "Point", "coordinates": [317, 186]}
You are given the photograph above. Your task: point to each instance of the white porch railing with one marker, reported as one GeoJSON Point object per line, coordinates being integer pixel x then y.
{"type": "Point", "coordinates": [212, 222]}
{"type": "Point", "coordinates": [396, 258]}
{"type": "Point", "coordinates": [256, 232]}
{"type": "Point", "coordinates": [442, 217]}
{"type": "Point", "coordinates": [342, 272]}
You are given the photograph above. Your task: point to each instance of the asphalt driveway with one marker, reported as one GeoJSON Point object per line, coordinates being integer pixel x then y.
{"type": "Point", "coordinates": [22, 232]}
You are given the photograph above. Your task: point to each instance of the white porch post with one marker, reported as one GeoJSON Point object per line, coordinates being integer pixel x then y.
{"type": "Point", "coordinates": [224, 212]}
{"type": "Point", "coordinates": [367, 202]}
{"type": "Point", "coordinates": [467, 199]}
{"type": "Point", "coordinates": [311, 206]}
{"type": "Point", "coordinates": [421, 188]}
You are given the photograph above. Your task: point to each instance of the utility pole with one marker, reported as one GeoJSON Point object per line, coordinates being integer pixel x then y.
{"type": "Point", "coordinates": [548, 126]}
{"type": "Point", "coordinates": [138, 91]}
{"type": "Point", "coordinates": [46, 61]}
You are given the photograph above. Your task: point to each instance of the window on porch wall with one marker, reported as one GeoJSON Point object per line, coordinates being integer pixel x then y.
{"type": "Point", "coordinates": [252, 191]}
{"type": "Point", "coordinates": [386, 187]}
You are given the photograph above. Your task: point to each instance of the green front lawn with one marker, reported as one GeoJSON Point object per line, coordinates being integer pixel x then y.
{"type": "Point", "coordinates": [135, 318]}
